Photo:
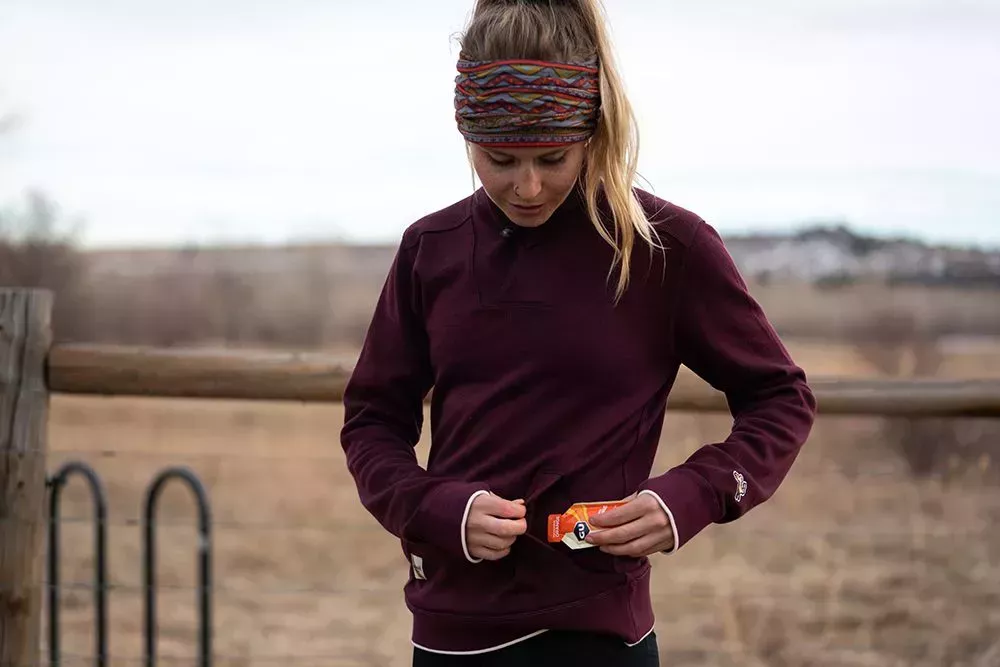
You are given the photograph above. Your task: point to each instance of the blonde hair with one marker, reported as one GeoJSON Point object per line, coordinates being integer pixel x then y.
{"type": "Point", "coordinates": [573, 30]}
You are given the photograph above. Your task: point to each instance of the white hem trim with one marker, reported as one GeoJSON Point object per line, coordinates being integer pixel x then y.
{"type": "Point", "coordinates": [465, 518]}
{"type": "Point", "coordinates": [670, 516]}
{"type": "Point", "coordinates": [514, 641]}
{"type": "Point", "coordinates": [482, 650]}
{"type": "Point", "coordinates": [643, 638]}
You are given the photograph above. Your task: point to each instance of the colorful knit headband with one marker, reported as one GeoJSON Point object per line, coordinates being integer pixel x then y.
{"type": "Point", "coordinates": [527, 102]}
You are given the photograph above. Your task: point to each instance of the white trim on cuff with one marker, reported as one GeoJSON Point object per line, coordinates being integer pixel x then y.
{"type": "Point", "coordinates": [465, 518]}
{"type": "Point", "coordinates": [670, 516]}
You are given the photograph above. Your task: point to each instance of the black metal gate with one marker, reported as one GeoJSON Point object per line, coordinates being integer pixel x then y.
{"type": "Point", "coordinates": [101, 588]}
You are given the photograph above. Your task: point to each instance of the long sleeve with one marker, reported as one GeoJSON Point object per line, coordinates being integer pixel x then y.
{"type": "Point", "coordinates": [723, 336]}
{"type": "Point", "coordinates": [383, 404]}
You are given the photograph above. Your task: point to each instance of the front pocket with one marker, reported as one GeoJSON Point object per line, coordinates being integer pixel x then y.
{"type": "Point", "coordinates": [548, 494]}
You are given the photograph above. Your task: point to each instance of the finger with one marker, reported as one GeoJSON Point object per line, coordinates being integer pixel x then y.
{"type": "Point", "coordinates": [491, 541]}
{"type": "Point", "coordinates": [504, 527]}
{"type": "Point", "coordinates": [502, 508]}
{"type": "Point", "coordinates": [499, 527]}
{"type": "Point", "coordinates": [619, 534]}
{"type": "Point", "coordinates": [643, 546]}
{"type": "Point", "coordinates": [630, 511]}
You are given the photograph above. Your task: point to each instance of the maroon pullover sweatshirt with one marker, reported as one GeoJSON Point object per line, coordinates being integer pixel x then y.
{"type": "Point", "coordinates": [544, 389]}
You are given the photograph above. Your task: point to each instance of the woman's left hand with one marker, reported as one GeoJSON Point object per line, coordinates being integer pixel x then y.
{"type": "Point", "coordinates": [638, 528]}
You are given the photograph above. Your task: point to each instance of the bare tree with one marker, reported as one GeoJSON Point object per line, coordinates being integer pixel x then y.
{"type": "Point", "coordinates": [38, 248]}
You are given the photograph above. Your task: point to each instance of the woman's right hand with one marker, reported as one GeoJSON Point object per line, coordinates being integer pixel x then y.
{"type": "Point", "coordinates": [493, 525]}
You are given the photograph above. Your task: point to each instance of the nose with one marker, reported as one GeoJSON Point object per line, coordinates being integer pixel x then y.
{"type": "Point", "coordinates": [528, 183]}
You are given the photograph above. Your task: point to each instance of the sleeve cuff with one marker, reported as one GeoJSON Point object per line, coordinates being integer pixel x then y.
{"type": "Point", "coordinates": [440, 520]}
{"type": "Point", "coordinates": [465, 519]}
{"type": "Point", "coordinates": [689, 502]}
{"type": "Point", "coordinates": [670, 516]}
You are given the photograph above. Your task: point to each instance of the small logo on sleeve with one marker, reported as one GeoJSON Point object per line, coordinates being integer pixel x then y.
{"type": "Point", "coordinates": [741, 486]}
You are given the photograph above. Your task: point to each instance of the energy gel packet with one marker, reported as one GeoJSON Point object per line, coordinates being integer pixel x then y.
{"type": "Point", "coordinates": [572, 526]}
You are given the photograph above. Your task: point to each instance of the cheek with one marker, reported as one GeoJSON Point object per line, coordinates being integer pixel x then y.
{"type": "Point", "coordinates": [564, 180]}
{"type": "Point", "coordinates": [493, 180]}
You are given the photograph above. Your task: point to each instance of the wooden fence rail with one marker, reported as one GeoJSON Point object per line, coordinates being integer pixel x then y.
{"type": "Point", "coordinates": [88, 369]}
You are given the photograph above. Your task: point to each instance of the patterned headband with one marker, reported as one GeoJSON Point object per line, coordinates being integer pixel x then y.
{"type": "Point", "coordinates": [527, 102]}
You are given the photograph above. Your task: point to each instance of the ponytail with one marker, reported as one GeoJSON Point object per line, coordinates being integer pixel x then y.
{"type": "Point", "coordinates": [567, 30]}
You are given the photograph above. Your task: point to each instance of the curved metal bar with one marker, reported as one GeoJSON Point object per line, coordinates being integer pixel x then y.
{"type": "Point", "coordinates": [56, 484]}
{"type": "Point", "coordinates": [204, 590]}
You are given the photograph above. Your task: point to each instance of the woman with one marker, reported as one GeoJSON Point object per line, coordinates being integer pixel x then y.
{"type": "Point", "coordinates": [550, 312]}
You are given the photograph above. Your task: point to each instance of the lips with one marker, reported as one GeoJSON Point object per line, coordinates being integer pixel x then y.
{"type": "Point", "coordinates": [527, 209]}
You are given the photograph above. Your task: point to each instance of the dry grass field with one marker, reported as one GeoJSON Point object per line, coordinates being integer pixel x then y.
{"type": "Point", "coordinates": [853, 562]}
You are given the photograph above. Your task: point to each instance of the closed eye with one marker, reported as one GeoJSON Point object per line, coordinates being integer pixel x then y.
{"type": "Point", "coordinates": [548, 160]}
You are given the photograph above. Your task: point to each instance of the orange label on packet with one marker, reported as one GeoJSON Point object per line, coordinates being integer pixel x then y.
{"type": "Point", "coordinates": [572, 526]}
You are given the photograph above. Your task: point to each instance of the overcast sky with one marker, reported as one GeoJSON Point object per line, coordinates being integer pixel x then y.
{"type": "Point", "coordinates": [168, 121]}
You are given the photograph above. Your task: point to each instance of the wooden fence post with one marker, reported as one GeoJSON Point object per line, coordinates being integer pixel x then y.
{"type": "Point", "coordinates": [25, 338]}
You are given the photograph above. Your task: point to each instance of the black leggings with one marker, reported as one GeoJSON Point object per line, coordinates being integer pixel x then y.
{"type": "Point", "coordinates": [551, 649]}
